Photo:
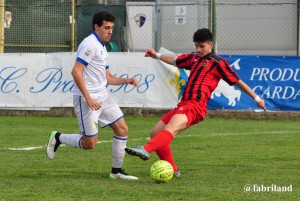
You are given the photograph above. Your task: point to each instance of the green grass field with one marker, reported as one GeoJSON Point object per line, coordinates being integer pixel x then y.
{"type": "Point", "coordinates": [217, 157]}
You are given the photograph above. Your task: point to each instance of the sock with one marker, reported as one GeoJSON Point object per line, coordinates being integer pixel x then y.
{"type": "Point", "coordinates": [118, 151]}
{"type": "Point", "coordinates": [165, 153]}
{"type": "Point", "coordinates": [73, 140]}
{"type": "Point", "coordinates": [115, 170]}
{"type": "Point", "coordinates": [57, 135]}
{"type": "Point", "coordinates": [162, 139]}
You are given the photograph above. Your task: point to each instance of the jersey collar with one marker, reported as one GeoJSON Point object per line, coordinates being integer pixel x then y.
{"type": "Point", "coordinates": [94, 33]}
{"type": "Point", "coordinates": [208, 55]}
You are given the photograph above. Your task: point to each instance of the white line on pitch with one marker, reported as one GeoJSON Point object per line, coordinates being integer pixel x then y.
{"type": "Point", "coordinates": [179, 136]}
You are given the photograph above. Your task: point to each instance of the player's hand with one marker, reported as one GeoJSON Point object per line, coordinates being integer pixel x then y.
{"type": "Point", "coordinates": [93, 104]}
{"type": "Point", "coordinates": [133, 81]}
{"type": "Point", "coordinates": [261, 104]}
{"type": "Point", "coordinates": [150, 52]}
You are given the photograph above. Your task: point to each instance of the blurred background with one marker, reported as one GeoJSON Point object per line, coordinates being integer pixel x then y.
{"type": "Point", "coordinates": [252, 27]}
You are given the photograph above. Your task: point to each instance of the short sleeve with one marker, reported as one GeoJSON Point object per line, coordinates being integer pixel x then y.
{"type": "Point", "coordinates": [85, 54]}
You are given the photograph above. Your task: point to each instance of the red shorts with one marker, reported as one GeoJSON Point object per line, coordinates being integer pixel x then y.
{"type": "Point", "coordinates": [194, 112]}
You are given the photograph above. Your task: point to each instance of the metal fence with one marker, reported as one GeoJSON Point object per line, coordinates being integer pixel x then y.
{"type": "Point", "coordinates": [260, 27]}
{"type": "Point", "coordinates": [37, 26]}
{"type": "Point", "coordinates": [167, 24]}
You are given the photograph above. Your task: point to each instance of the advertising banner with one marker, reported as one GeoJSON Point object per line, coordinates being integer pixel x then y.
{"type": "Point", "coordinates": [275, 79]}
{"type": "Point", "coordinates": [42, 81]}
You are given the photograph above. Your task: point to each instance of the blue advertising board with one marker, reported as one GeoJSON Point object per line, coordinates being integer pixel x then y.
{"type": "Point", "coordinates": [275, 79]}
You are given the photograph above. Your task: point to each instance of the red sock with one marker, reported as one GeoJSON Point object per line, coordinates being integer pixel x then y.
{"type": "Point", "coordinates": [162, 139]}
{"type": "Point", "coordinates": [165, 153]}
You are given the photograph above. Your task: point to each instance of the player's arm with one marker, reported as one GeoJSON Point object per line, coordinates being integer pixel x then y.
{"type": "Point", "coordinates": [113, 80]}
{"type": "Point", "coordinates": [78, 78]}
{"type": "Point", "coordinates": [244, 87]}
{"type": "Point", "coordinates": [169, 59]}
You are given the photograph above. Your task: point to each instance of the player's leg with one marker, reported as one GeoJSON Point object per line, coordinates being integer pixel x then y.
{"type": "Point", "coordinates": [113, 116]}
{"type": "Point", "coordinates": [164, 153]}
{"type": "Point", "coordinates": [118, 150]}
{"type": "Point", "coordinates": [119, 142]}
{"type": "Point", "coordinates": [89, 130]}
{"type": "Point", "coordinates": [57, 138]}
{"type": "Point", "coordinates": [185, 115]}
{"type": "Point", "coordinates": [176, 124]}
{"type": "Point", "coordinates": [88, 126]}
{"type": "Point", "coordinates": [159, 127]}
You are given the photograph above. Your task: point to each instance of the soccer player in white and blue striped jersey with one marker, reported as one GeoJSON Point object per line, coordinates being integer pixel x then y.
{"type": "Point", "coordinates": [92, 103]}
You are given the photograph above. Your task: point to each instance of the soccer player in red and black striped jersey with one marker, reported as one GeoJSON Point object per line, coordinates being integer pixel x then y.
{"type": "Point", "coordinates": [206, 70]}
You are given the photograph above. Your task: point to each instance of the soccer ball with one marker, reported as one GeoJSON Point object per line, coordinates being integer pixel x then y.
{"type": "Point", "coordinates": [161, 171]}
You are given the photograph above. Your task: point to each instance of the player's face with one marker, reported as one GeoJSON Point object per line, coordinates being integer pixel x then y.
{"type": "Point", "coordinates": [203, 48]}
{"type": "Point", "coordinates": [105, 31]}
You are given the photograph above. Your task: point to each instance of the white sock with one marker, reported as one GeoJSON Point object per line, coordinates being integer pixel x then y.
{"type": "Point", "coordinates": [118, 151]}
{"type": "Point", "coordinates": [73, 140]}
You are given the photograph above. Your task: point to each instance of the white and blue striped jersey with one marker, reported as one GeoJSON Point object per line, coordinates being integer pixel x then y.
{"type": "Point", "coordinates": [93, 54]}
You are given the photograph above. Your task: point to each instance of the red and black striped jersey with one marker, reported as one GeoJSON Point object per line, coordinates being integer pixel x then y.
{"type": "Point", "coordinates": [205, 74]}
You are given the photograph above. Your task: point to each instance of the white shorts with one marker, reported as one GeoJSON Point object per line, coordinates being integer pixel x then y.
{"type": "Point", "coordinates": [88, 119]}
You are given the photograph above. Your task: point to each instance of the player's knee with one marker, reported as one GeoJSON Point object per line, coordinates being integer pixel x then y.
{"type": "Point", "coordinates": [88, 144]}
{"type": "Point", "coordinates": [123, 131]}
{"type": "Point", "coordinates": [152, 134]}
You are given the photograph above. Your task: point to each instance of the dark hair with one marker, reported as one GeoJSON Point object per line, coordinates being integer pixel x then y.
{"type": "Point", "coordinates": [102, 16]}
{"type": "Point", "coordinates": [203, 35]}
